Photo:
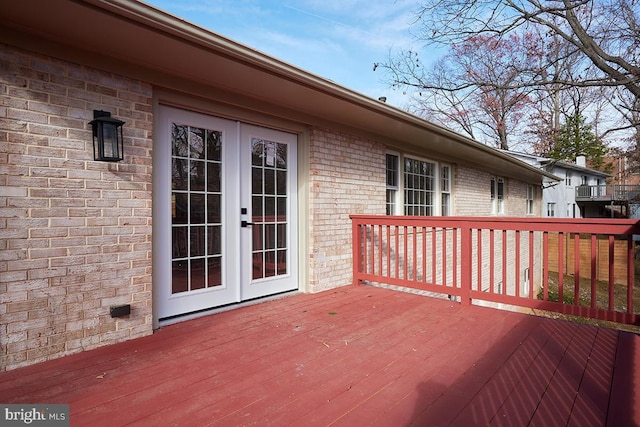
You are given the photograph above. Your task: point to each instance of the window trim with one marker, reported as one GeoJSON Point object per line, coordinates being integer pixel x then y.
{"type": "Point", "coordinates": [531, 197]}
{"type": "Point", "coordinates": [444, 191]}
{"type": "Point", "coordinates": [430, 187]}
{"type": "Point", "coordinates": [498, 195]}
{"type": "Point", "coordinates": [395, 190]}
{"type": "Point", "coordinates": [399, 204]}
{"type": "Point", "coordinates": [551, 207]}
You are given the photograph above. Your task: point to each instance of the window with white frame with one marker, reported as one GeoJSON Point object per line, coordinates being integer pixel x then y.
{"type": "Point", "coordinates": [421, 188]}
{"type": "Point", "coordinates": [445, 190]}
{"type": "Point", "coordinates": [551, 209]}
{"type": "Point", "coordinates": [567, 179]}
{"type": "Point", "coordinates": [497, 195]}
{"type": "Point", "coordinates": [531, 193]}
{"type": "Point", "coordinates": [392, 183]}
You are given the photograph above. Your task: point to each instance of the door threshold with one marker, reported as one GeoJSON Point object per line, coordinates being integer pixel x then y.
{"type": "Point", "coordinates": [209, 311]}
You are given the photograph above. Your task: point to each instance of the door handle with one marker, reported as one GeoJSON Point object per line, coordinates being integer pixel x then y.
{"type": "Point", "coordinates": [246, 223]}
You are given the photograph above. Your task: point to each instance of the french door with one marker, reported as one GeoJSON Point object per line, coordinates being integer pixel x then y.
{"type": "Point", "coordinates": [225, 201]}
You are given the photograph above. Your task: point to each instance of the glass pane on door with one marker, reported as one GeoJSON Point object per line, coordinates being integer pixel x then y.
{"type": "Point", "coordinates": [196, 195]}
{"type": "Point", "coordinates": [269, 192]}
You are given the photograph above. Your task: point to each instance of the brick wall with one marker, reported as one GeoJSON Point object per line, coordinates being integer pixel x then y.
{"type": "Point", "coordinates": [75, 233]}
{"type": "Point", "coordinates": [472, 194]}
{"type": "Point", "coordinates": [517, 199]}
{"type": "Point", "coordinates": [347, 176]}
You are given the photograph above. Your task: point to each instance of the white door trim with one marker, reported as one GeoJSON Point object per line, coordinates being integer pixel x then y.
{"type": "Point", "coordinates": [232, 291]}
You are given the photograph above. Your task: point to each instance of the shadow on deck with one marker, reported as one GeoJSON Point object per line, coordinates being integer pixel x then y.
{"type": "Point", "coordinates": [350, 356]}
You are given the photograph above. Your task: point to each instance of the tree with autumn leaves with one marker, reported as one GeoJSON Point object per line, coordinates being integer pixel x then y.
{"type": "Point", "coordinates": [478, 88]}
{"type": "Point", "coordinates": [522, 71]}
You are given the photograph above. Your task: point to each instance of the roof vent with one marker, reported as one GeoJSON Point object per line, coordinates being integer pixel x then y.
{"type": "Point", "coordinates": [382, 99]}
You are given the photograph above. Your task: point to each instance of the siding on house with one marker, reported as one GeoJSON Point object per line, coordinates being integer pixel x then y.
{"type": "Point", "coordinates": [76, 234]}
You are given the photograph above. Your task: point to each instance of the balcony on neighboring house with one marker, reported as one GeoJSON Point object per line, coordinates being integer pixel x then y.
{"type": "Point", "coordinates": [608, 193]}
{"type": "Point", "coordinates": [601, 196]}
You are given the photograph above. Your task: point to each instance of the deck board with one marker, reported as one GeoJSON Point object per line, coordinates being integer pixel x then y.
{"type": "Point", "coordinates": [350, 356]}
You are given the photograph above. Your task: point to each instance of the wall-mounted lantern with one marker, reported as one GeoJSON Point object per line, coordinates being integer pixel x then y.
{"type": "Point", "coordinates": [108, 145]}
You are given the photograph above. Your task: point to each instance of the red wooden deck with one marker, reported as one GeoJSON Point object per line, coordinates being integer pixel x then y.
{"type": "Point", "coordinates": [352, 356]}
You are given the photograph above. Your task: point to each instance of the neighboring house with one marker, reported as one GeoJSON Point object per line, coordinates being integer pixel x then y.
{"type": "Point", "coordinates": [625, 183]}
{"type": "Point", "coordinates": [559, 197]}
{"type": "Point", "coordinates": [238, 179]}
{"type": "Point", "coordinates": [625, 170]}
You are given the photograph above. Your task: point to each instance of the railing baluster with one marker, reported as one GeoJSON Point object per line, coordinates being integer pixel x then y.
{"type": "Point", "coordinates": [372, 258]}
{"type": "Point", "coordinates": [545, 266]}
{"type": "Point", "coordinates": [561, 256]}
{"type": "Point", "coordinates": [594, 269]}
{"type": "Point", "coordinates": [388, 251]}
{"type": "Point", "coordinates": [479, 249]}
{"type": "Point", "coordinates": [517, 269]}
{"type": "Point", "coordinates": [397, 260]}
{"type": "Point", "coordinates": [424, 254]}
{"type": "Point", "coordinates": [576, 269]}
{"type": "Point", "coordinates": [503, 289]}
{"type": "Point", "coordinates": [531, 264]}
{"type": "Point", "coordinates": [491, 261]}
{"type": "Point", "coordinates": [455, 258]}
{"type": "Point", "coordinates": [404, 253]}
{"type": "Point", "coordinates": [611, 271]}
{"type": "Point", "coordinates": [434, 252]}
{"type": "Point", "coordinates": [444, 257]}
{"type": "Point", "coordinates": [630, 274]}
{"type": "Point", "coordinates": [380, 250]}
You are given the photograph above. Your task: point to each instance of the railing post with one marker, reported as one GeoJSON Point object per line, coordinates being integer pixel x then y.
{"type": "Point", "coordinates": [630, 275]}
{"type": "Point", "coordinates": [466, 265]}
{"type": "Point", "coordinates": [355, 246]}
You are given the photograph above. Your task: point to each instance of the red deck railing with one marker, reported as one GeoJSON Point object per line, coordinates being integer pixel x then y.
{"type": "Point", "coordinates": [582, 267]}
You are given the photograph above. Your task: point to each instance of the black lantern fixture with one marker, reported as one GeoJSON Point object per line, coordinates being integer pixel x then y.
{"type": "Point", "coordinates": [108, 145]}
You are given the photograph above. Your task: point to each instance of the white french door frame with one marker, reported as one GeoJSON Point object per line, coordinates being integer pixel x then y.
{"type": "Point", "coordinates": [236, 277]}
{"type": "Point", "coordinates": [257, 288]}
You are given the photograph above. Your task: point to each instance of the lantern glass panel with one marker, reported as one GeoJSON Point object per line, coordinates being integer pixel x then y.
{"type": "Point", "coordinates": [110, 134]}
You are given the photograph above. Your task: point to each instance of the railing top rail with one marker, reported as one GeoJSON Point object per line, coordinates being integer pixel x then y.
{"type": "Point", "coordinates": [632, 186]}
{"type": "Point", "coordinates": [572, 225]}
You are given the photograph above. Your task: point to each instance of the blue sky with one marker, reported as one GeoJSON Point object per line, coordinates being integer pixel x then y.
{"type": "Point", "coordinates": [337, 40]}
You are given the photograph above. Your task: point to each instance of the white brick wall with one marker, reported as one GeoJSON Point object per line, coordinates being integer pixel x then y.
{"type": "Point", "coordinates": [347, 176]}
{"type": "Point", "coordinates": [472, 194]}
{"type": "Point", "coordinates": [75, 233]}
